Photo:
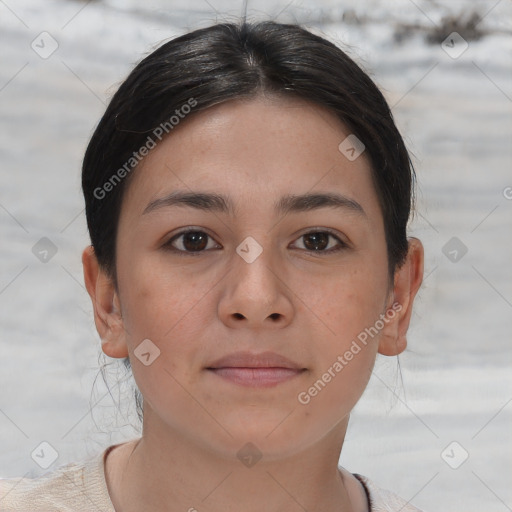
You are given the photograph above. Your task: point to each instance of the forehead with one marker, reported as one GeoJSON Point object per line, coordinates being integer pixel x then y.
{"type": "Point", "coordinates": [286, 128]}
{"type": "Point", "coordinates": [251, 149]}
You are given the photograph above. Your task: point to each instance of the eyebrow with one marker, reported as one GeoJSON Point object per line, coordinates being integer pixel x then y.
{"type": "Point", "coordinates": [287, 204]}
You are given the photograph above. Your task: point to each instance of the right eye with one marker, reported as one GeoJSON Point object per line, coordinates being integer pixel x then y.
{"type": "Point", "coordinates": [189, 241]}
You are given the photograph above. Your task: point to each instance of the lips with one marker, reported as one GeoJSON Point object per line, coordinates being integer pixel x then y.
{"type": "Point", "coordinates": [266, 369]}
{"type": "Point", "coordinates": [248, 360]}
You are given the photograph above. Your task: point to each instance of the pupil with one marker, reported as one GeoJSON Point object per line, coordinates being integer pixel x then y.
{"type": "Point", "coordinates": [194, 241]}
{"type": "Point", "coordinates": [318, 239]}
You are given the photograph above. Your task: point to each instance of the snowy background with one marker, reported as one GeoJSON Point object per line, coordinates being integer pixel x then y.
{"type": "Point", "coordinates": [443, 438]}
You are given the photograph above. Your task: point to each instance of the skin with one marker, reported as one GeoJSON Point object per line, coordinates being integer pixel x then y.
{"type": "Point", "coordinates": [308, 306]}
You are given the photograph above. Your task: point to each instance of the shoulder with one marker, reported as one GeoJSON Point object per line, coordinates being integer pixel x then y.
{"type": "Point", "coordinates": [382, 500]}
{"type": "Point", "coordinates": [51, 491]}
{"type": "Point", "coordinates": [74, 487]}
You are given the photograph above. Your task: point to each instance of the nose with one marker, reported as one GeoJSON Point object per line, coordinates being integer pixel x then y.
{"type": "Point", "coordinates": [256, 295]}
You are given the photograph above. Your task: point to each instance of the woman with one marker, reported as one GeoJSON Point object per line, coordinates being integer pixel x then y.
{"type": "Point", "coordinates": [247, 196]}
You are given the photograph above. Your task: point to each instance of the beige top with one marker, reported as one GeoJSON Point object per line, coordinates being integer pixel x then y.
{"type": "Point", "coordinates": [82, 487]}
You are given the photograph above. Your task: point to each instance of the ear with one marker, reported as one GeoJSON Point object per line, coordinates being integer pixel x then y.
{"type": "Point", "coordinates": [407, 281]}
{"type": "Point", "coordinates": [106, 305]}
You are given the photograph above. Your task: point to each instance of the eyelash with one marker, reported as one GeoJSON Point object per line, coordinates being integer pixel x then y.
{"type": "Point", "coordinates": [168, 245]}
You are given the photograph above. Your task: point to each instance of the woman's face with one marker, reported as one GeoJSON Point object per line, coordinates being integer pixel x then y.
{"type": "Point", "coordinates": [249, 280]}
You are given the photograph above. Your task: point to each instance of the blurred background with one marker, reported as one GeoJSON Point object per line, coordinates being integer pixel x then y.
{"type": "Point", "coordinates": [438, 432]}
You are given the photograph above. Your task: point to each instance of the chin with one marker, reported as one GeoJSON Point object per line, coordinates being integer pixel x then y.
{"type": "Point", "coordinates": [274, 435]}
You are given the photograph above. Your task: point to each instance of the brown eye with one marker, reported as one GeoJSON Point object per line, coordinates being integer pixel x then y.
{"type": "Point", "coordinates": [318, 241]}
{"type": "Point", "coordinates": [189, 241]}
{"type": "Point", "coordinates": [196, 241]}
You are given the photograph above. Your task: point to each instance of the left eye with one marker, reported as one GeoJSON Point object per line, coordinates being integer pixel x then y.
{"type": "Point", "coordinates": [318, 241]}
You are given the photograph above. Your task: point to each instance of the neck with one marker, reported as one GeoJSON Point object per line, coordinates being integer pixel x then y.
{"type": "Point", "coordinates": [166, 472]}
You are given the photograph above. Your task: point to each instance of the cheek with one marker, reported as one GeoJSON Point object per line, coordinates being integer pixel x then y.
{"type": "Point", "coordinates": [167, 311]}
{"type": "Point", "coordinates": [348, 307]}
{"type": "Point", "coordinates": [347, 301]}
{"type": "Point", "coordinates": [334, 391]}
{"type": "Point", "coordinates": [155, 301]}
{"type": "Point", "coordinates": [346, 343]}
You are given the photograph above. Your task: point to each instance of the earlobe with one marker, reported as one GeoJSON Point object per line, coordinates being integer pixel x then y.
{"type": "Point", "coordinates": [391, 343]}
{"type": "Point", "coordinates": [106, 306]}
{"type": "Point", "coordinates": [407, 282]}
